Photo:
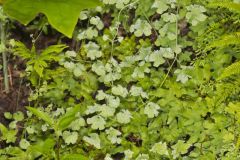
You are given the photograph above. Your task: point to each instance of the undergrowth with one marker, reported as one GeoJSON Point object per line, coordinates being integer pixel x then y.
{"type": "Point", "coordinates": [145, 79]}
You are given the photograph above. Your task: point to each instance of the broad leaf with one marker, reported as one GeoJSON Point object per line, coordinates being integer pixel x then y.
{"type": "Point", "coordinates": [61, 14]}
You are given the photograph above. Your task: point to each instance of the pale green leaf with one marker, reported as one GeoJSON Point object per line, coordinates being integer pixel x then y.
{"type": "Point", "coordinates": [151, 110]}
{"type": "Point", "coordinates": [119, 91]}
{"type": "Point", "coordinates": [124, 117]}
{"type": "Point", "coordinates": [97, 122]}
{"type": "Point", "coordinates": [70, 137]}
{"type": "Point", "coordinates": [160, 148]}
{"type": "Point", "coordinates": [113, 135]}
{"type": "Point", "coordinates": [93, 139]}
{"type": "Point", "coordinates": [24, 144]}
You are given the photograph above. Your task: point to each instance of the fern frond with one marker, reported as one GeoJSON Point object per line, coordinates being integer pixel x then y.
{"type": "Point", "coordinates": [234, 7]}
{"type": "Point", "coordinates": [226, 40]}
{"type": "Point", "coordinates": [230, 70]}
{"type": "Point", "coordinates": [21, 50]}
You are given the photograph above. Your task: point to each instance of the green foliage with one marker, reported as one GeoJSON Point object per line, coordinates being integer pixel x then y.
{"type": "Point", "coordinates": [235, 7]}
{"type": "Point", "coordinates": [62, 16]}
{"type": "Point", "coordinates": [37, 62]}
{"type": "Point", "coordinates": [226, 40]}
{"type": "Point", "coordinates": [233, 69]}
{"type": "Point", "coordinates": [137, 87]}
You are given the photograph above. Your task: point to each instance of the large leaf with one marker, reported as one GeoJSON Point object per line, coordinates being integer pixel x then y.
{"type": "Point", "coordinates": [61, 14]}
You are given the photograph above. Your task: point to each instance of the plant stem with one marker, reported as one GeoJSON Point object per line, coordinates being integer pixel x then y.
{"type": "Point", "coordinates": [4, 58]}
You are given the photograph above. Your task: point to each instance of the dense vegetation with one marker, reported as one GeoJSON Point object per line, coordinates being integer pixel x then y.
{"type": "Point", "coordinates": [123, 79]}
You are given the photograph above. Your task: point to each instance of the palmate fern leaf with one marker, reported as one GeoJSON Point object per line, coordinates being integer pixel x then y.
{"type": "Point", "coordinates": [233, 69]}
{"type": "Point", "coordinates": [226, 40]}
{"type": "Point", "coordinates": [234, 7]}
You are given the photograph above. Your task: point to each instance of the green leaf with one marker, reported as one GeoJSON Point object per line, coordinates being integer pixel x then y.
{"type": "Point", "coordinates": [119, 91]}
{"type": "Point", "coordinates": [180, 148]}
{"type": "Point", "coordinates": [8, 115]}
{"type": "Point", "coordinates": [138, 91]}
{"type": "Point", "coordinates": [157, 58]}
{"type": "Point", "coordinates": [74, 156]}
{"type": "Point", "coordinates": [167, 53]}
{"type": "Point", "coordinates": [113, 135]}
{"type": "Point", "coordinates": [93, 50]}
{"type": "Point", "coordinates": [18, 116]}
{"type": "Point", "coordinates": [97, 22]}
{"type": "Point", "coordinates": [195, 14]}
{"type": "Point", "coordinates": [160, 148]}
{"type": "Point", "coordinates": [124, 117]}
{"type": "Point", "coordinates": [42, 115]}
{"type": "Point", "coordinates": [161, 5]}
{"type": "Point", "coordinates": [128, 154]}
{"type": "Point", "coordinates": [143, 157]}
{"type": "Point", "coordinates": [93, 139]}
{"type": "Point", "coordinates": [43, 147]}
{"type": "Point", "coordinates": [141, 27]}
{"type": "Point", "coordinates": [63, 16]}
{"type": "Point", "coordinates": [77, 124]}
{"type": "Point", "coordinates": [70, 137]}
{"type": "Point", "coordinates": [24, 144]}
{"type": "Point", "coordinates": [3, 129]}
{"type": "Point", "coordinates": [8, 135]}
{"type": "Point", "coordinates": [97, 122]}
{"type": "Point", "coordinates": [106, 111]}
{"type": "Point", "coordinates": [68, 118]}
{"type": "Point", "coordinates": [151, 110]}
{"type": "Point", "coordinates": [229, 5]}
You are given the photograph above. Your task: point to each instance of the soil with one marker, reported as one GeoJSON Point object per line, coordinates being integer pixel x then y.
{"type": "Point", "coordinates": [16, 99]}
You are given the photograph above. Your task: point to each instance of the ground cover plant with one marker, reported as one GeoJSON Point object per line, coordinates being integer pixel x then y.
{"type": "Point", "coordinates": [120, 80]}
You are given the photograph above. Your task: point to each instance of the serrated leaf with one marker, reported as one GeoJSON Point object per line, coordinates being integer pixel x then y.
{"type": "Point", "coordinates": [63, 16]}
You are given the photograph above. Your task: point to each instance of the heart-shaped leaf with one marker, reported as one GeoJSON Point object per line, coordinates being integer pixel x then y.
{"type": "Point", "coordinates": [61, 14]}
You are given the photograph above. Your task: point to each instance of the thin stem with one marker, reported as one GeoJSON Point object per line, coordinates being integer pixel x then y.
{"type": "Point", "coordinates": [176, 55]}
{"type": "Point", "coordinates": [4, 58]}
